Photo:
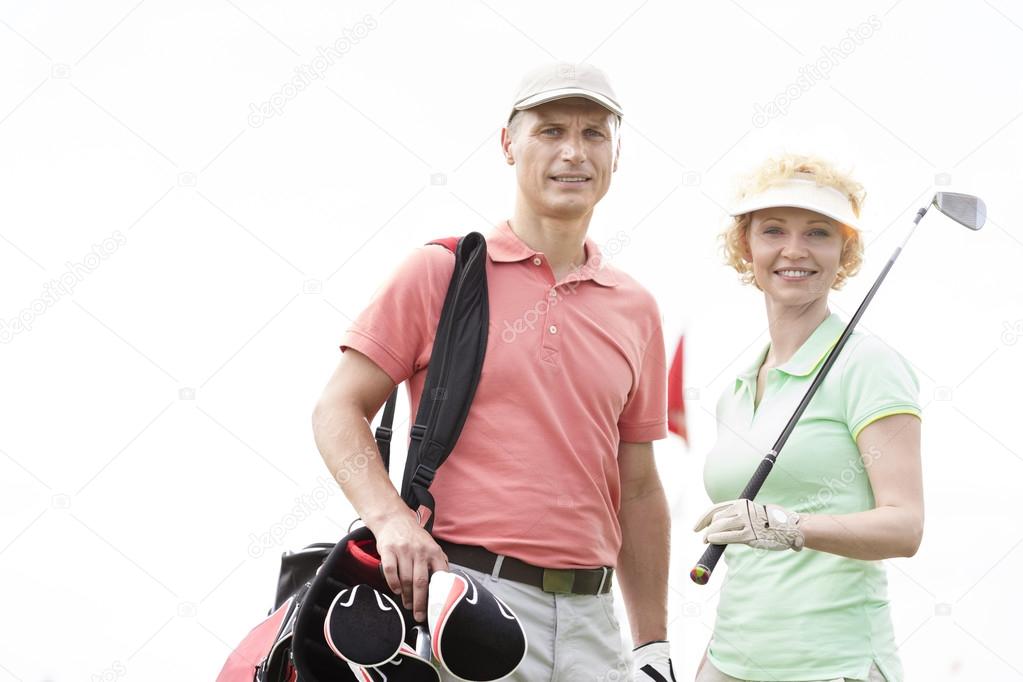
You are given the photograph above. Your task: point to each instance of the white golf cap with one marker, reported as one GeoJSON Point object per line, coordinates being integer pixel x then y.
{"type": "Point", "coordinates": [560, 80]}
{"type": "Point", "coordinates": [801, 191]}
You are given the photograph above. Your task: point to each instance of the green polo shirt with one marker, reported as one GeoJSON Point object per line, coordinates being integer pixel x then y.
{"type": "Point", "coordinates": [807, 615]}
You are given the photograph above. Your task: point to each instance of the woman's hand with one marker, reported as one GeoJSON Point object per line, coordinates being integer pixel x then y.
{"type": "Point", "coordinates": [757, 525]}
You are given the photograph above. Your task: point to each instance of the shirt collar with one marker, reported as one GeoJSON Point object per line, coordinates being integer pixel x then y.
{"type": "Point", "coordinates": [504, 246]}
{"type": "Point", "coordinates": [748, 376]}
{"type": "Point", "coordinates": [807, 358]}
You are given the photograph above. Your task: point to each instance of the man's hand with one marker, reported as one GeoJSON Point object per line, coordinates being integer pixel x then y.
{"type": "Point", "coordinates": [341, 426]}
{"type": "Point", "coordinates": [757, 525]}
{"type": "Point", "coordinates": [408, 555]}
{"type": "Point", "coordinates": [652, 661]}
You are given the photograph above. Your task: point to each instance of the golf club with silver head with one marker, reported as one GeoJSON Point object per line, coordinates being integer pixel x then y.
{"type": "Point", "coordinates": [967, 210]}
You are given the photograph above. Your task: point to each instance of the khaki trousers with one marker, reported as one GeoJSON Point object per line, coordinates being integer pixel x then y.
{"type": "Point", "coordinates": [571, 638]}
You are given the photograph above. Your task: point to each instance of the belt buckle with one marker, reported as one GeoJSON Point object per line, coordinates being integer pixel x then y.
{"type": "Point", "coordinates": [603, 579]}
{"type": "Point", "coordinates": [558, 580]}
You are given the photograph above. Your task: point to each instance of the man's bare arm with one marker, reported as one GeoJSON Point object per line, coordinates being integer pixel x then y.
{"type": "Point", "coordinates": [646, 529]}
{"type": "Point", "coordinates": [341, 427]}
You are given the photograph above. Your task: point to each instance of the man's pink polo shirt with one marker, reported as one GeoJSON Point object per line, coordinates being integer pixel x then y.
{"type": "Point", "coordinates": [572, 368]}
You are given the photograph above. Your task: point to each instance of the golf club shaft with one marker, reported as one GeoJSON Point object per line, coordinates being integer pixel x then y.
{"type": "Point", "coordinates": [700, 573]}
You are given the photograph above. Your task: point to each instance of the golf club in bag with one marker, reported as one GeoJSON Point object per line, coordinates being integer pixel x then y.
{"type": "Point", "coordinates": [967, 210]}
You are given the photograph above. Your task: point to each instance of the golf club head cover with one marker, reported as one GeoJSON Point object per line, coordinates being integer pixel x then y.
{"type": "Point", "coordinates": [407, 666]}
{"type": "Point", "coordinates": [476, 637]}
{"type": "Point", "coordinates": [364, 626]}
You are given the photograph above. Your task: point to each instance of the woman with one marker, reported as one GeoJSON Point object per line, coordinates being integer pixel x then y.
{"type": "Point", "coordinates": [805, 593]}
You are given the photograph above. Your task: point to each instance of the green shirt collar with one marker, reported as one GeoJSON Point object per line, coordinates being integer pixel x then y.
{"type": "Point", "coordinates": [807, 358]}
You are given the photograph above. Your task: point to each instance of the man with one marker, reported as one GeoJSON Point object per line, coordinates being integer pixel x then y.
{"type": "Point", "coordinates": [552, 483]}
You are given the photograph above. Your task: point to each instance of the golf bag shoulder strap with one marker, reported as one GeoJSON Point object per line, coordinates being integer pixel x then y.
{"type": "Point", "coordinates": [449, 243]}
{"type": "Point", "coordinates": [384, 430]}
{"type": "Point", "coordinates": [456, 361]}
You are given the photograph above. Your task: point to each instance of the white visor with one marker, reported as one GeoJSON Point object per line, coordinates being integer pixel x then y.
{"type": "Point", "coordinates": [801, 191]}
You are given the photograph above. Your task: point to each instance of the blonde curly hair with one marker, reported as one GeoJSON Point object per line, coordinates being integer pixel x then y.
{"type": "Point", "coordinates": [734, 238]}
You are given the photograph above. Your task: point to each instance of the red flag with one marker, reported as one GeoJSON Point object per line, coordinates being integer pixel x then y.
{"type": "Point", "coordinates": [676, 401]}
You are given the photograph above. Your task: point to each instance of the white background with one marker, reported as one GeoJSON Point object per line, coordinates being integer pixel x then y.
{"type": "Point", "coordinates": [156, 414]}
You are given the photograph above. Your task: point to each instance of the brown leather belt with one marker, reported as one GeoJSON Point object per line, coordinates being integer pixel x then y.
{"type": "Point", "coordinates": [553, 580]}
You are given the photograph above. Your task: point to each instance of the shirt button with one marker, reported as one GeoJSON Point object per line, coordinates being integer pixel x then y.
{"type": "Point", "coordinates": [553, 329]}
{"type": "Point", "coordinates": [537, 261]}
{"type": "Point", "coordinates": [554, 293]}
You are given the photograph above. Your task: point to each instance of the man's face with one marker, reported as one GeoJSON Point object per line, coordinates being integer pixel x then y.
{"type": "Point", "coordinates": [563, 155]}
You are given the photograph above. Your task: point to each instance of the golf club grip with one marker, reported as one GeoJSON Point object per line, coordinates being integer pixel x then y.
{"type": "Point", "coordinates": [759, 476]}
{"type": "Point", "coordinates": [705, 566]}
{"type": "Point", "coordinates": [701, 572]}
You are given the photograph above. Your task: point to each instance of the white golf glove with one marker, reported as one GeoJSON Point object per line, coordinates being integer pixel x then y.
{"type": "Point", "coordinates": [757, 525]}
{"type": "Point", "coordinates": [652, 661]}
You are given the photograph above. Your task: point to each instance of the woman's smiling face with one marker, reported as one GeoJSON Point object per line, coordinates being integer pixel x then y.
{"type": "Point", "coordinates": [795, 253]}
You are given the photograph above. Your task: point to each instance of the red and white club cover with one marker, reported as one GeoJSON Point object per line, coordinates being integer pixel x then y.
{"type": "Point", "coordinates": [407, 666]}
{"type": "Point", "coordinates": [476, 636]}
{"type": "Point", "coordinates": [364, 626]}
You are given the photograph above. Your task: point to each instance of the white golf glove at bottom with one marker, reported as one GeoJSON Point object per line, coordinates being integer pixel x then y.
{"type": "Point", "coordinates": [757, 525]}
{"type": "Point", "coordinates": [652, 662]}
